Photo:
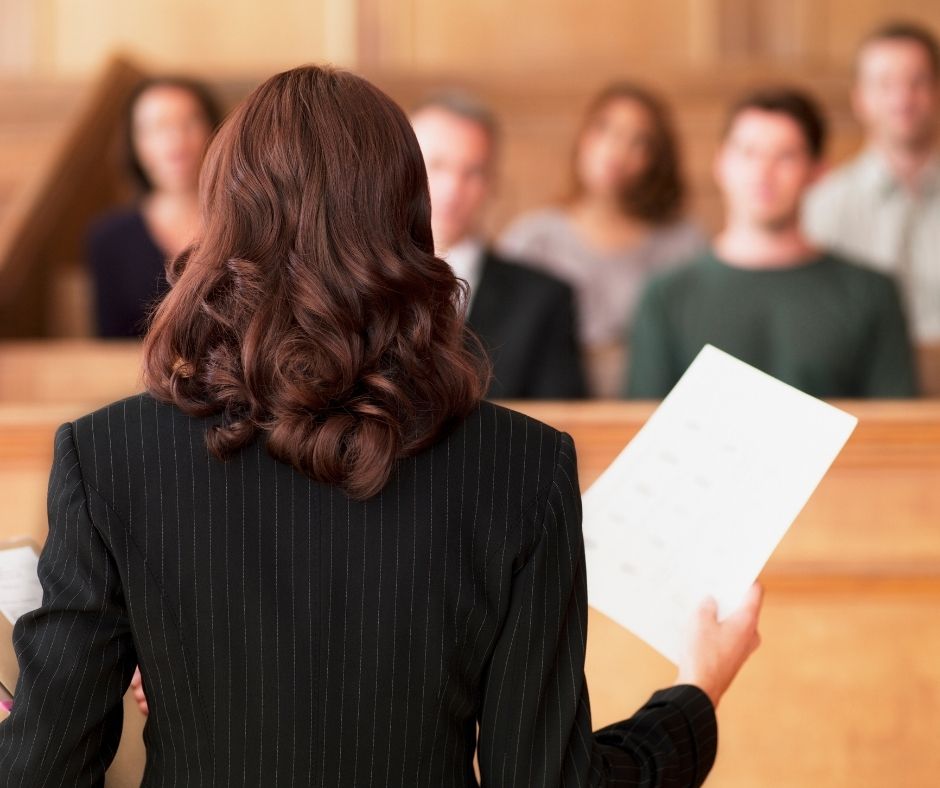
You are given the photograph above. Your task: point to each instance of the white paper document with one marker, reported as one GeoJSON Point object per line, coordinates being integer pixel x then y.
{"type": "Point", "coordinates": [700, 498]}
{"type": "Point", "coordinates": [20, 590]}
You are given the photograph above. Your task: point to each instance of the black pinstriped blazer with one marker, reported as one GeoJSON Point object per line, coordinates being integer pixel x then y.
{"type": "Point", "coordinates": [290, 636]}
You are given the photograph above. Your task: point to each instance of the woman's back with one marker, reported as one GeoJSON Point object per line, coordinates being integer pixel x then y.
{"type": "Point", "coordinates": [285, 631]}
{"type": "Point", "coordinates": [288, 634]}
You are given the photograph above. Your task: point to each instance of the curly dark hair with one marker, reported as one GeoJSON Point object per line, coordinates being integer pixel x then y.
{"type": "Point", "coordinates": [311, 308]}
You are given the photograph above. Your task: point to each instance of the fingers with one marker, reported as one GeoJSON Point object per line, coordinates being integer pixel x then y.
{"type": "Point", "coordinates": [749, 611]}
{"type": "Point", "coordinates": [750, 614]}
{"type": "Point", "coordinates": [137, 685]}
{"type": "Point", "coordinates": [754, 598]}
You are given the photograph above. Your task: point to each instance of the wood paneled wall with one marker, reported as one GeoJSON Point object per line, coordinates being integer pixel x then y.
{"type": "Point", "coordinates": [69, 38]}
{"type": "Point", "coordinates": [538, 61]}
{"type": "Point", "coordinates": [539, 37]}
{"type": "Point", "coordinates": [549, 37]}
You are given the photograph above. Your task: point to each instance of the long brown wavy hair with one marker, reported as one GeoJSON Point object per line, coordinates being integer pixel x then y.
{"type": "Point", "coordinates": [658, 195]}
{"type": "Point", "coordinates": [311, 308]}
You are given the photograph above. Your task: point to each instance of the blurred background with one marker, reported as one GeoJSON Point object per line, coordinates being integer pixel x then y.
{"type": "Point", "coordinates": [67, 68]}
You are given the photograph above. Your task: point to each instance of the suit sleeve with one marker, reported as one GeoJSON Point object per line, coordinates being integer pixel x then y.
{"type": "Point", "coordinates": [535, 716]}
{"type": "Point", "coordinates": [559, 373]}
{"type": "Point", "coordinates": [75, 652]}
{"type": "Point", "coordinates": [651, 372]}
{"type": "Point", "coordinates": [890, 370]}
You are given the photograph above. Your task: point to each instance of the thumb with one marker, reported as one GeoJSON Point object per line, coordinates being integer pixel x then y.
{"type": "Point", "coordinates": [753, 599]}
{"type": "Point", "coordinates": [750, 607]}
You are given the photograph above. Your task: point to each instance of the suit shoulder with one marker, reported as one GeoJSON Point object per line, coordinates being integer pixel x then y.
{"type": "Point", "coordinates": [121, 415]}
{"type": "Point", "coordinates": [488, 408]}
{"type": "Point", "coordinates": [525, 278]}
{"type": "Point", "coordinates": [131, 402]}
{"type": "Point", "coordinates": [526, 439]}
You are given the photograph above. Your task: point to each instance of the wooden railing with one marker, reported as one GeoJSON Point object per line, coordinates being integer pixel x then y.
{"type": "Point", "coordinates": [846, 687]}
{"type": "Point", "coordinates": [94, 371]}
{"type": "Point", "coordinates": [928, 363]}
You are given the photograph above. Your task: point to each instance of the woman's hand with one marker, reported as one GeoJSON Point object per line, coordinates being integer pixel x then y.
{"type": "Point", "coordinates": [138, 687]}
{"type": "Point", "coordinates": [715, 651]}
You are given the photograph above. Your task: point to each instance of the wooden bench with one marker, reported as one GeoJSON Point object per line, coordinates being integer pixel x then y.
{"type": "Point", "coordinates": [99, 371]}
{"type": "Point", "coordinates": [93, 372]}
{"type": "Point", "coordinates": [928, 363]}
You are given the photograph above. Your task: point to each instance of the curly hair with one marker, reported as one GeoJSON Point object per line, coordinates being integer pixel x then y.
{"type": "Point", "coordinates": [311, 308]}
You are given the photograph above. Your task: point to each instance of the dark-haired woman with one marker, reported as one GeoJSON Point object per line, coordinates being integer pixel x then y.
{"type": "Point", "coordinates": [168, 125]}
{"type": "Point", "coordinates": [333, 561]}
{"type": "Point", "coordinates": [621, 222]}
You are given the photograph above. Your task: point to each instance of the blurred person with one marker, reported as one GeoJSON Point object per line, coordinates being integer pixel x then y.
{"type": "Point", "coordinates": [622, 222]}
{"type": "Point", "coordinates": [334, 561]}
{"type": "Point", "coordinates": [764, 292]}
{"type": "Point", "coordinates": [525, 318]}
{"type": "Point", "coordinates": [883, 207]}
{"type": "Point", "coordinates": [168, 125]}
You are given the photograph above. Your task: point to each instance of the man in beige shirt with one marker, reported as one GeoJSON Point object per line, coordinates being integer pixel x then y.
{"type": "Point", "coordinates": [883, 207]}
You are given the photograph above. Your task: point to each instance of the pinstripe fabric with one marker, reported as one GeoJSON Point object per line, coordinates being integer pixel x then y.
{"type": "Point", "coordinates": [290, 636]}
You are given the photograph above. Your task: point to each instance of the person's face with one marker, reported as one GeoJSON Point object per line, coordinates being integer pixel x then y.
{"type": "Point", "coordinates": [169, 133]}
{"type": "Point", "coordinates": [895, 93]}
{"type": "Point", "coordinates": [615, 148]}
{"type": "Point", "coordinates": [457, 154]}
{"type": "Point", "coordinates": [764, 167]}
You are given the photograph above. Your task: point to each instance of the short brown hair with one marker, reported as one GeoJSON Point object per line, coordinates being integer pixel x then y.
{"type": "Point", "coordinates": [795, 104]}
{"type": "Point", "coordinates": [311, 308]}
{"type": "Point", "coordinates": [906, 31]}
{"type": "Point", "coordinates": [659, 194]}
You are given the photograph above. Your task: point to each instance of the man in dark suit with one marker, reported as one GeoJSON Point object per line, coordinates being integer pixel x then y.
{"type": "Point", "coordinates": [525, 318]}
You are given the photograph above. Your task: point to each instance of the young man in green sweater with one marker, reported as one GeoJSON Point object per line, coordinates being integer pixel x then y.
{"type": "Point", "coordinates": [763, 292]}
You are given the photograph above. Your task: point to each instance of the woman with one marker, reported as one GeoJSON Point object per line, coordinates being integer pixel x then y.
{"type": "Point", "coordinates": [169, 122]}
{"type": "Point", "coordinates": [331, 559]}
{"type": "Point", "coordinates": [621, 222]}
